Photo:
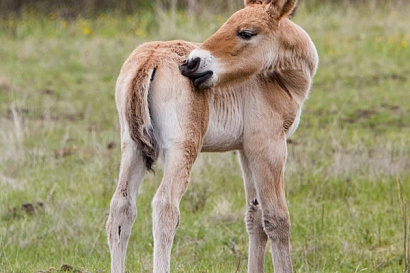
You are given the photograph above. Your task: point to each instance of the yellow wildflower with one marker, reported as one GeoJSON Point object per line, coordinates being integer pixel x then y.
{"type": "Point", "coordinates": [87, 30]}
{"type": "Point", "coordinates": [140, 33]}
{"type": "Point", "coordinates": [330, 52]}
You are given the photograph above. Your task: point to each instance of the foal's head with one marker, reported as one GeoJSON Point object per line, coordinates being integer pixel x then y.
{"type": "Point", "coordinates": [246, 44]}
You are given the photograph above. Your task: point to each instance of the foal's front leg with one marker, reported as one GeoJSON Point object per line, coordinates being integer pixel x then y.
{"type": "Point", "coordinates": [267, 161]}
{"type": "Point", "coordinates": [253, 220]}
{"type": "Point", "coordinates": [178, 162]}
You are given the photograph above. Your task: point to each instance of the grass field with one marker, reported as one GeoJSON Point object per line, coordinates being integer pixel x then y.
{"type": "Point", "coordinates": [348, 170]}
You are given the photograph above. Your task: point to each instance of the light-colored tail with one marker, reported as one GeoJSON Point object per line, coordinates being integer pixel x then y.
{"type": "Point", "coordinates": [138, 114]}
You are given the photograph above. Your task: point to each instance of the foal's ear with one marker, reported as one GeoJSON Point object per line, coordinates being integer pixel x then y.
{"type": "Point", "coordinates": [281, 8]}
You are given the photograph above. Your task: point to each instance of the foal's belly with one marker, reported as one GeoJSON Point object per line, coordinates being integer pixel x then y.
{"type": "Point", "coordinates": [225, 129]}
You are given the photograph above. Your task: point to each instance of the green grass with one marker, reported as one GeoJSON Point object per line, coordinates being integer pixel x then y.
{"type": "Point", "coordinates": [59, 138]}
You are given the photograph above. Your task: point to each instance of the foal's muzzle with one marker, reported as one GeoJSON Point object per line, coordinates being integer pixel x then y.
{"type": "Point", "coordinates": [191, 69]}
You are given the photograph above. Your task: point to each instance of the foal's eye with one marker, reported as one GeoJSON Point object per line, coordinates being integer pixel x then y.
{"type": "Point", "coordinates": [246, 34]}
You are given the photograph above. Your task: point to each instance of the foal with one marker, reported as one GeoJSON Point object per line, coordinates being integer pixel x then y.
{"type": "Point", "coordinates": [242, 89]}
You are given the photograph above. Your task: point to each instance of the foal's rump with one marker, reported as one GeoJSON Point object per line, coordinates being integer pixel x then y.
{"type": "Point", "coordinates": [156, 103]}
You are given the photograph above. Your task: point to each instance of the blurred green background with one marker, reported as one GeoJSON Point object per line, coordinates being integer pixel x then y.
{"type": "Point", "coordinates": [348, 170]}
{"type": "Point", "coordinates": [75, 8]}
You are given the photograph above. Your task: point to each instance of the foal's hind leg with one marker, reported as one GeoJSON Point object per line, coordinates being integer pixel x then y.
{"type": "Point", "coordinates": [267, 161]}
{"type": "Point", "coordinates": [165, 205]}
{"type": "Point", "coordinates": [253, 220]}
{"type": "Point", "coordinates": [180, 120]}
{"type": "Point", "coordinates": [123, 209]}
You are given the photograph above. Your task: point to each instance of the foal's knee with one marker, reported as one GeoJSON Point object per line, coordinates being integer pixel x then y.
{"type": "Point", "coordinates": [277, 225]}
{"type": "Point", "coordinates": [123, 212]}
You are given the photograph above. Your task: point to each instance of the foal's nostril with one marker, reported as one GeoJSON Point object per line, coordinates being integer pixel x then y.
{"type": "Point", "coordinates": [193, 64]}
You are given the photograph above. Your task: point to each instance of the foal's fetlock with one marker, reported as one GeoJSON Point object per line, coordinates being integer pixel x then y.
{"type": "Point", "coordinates": [253, 218]}
{"type": "Point", "coordinates": [277, 227]}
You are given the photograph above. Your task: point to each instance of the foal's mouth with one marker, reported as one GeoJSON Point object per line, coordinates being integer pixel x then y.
{"type": "Point", "coordinates": [200, 79]}
{"type": "Point", "coordinates": [190, 69]}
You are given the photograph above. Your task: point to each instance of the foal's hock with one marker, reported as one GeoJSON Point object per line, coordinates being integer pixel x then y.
{"type": "Point", "coordinates": [242, 89]}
